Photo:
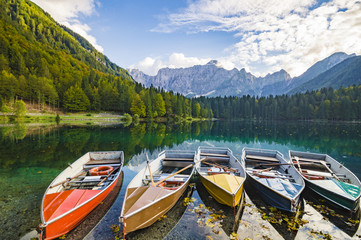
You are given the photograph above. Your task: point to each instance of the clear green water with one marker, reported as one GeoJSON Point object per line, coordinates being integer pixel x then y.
{"type": "Point", "coordinates": [30, 157]}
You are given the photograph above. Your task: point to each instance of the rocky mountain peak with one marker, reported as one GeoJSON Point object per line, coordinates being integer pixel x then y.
{"type": "Point", "coordinates": [212, 79]}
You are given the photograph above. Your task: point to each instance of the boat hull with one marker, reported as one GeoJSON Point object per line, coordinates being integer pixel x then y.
{"type": "Point", "coordinates": [221, 195]}
{"type": "Point", "coordinates": [334, 198]}
{"type": "Point", "coordinates": [147, 216]}
{"type": "Point", "coordinates": [338, 169]}
{"type": "Point", "coordinates": [273, 198]}
{"type": "Point", "coordinates": [68, 222]}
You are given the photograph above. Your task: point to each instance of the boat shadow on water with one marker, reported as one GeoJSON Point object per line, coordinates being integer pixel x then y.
{"type": "Point", "coordinates": [230, 216]}
{"type": "Point", "coordinates": [165, 224]}
{"type": "Point", "coordinates": [345, 220]}
{"type": "Point", "coordinates": [284, 222]}
{"type": "Point", "coordinates": [204, 218]}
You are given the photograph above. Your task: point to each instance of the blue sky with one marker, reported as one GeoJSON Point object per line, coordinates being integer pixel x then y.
{"type": "Point", "coordinates": [261, 36]}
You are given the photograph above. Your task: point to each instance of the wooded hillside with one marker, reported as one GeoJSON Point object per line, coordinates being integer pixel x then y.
{"type": "Point", "coordinates": [44, 62]}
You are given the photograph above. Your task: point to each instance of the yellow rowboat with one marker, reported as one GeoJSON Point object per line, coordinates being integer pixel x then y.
{"type": "Point", "coordinates": [221, 174]}
{"type": "Point", "coordinates": [156, 189]}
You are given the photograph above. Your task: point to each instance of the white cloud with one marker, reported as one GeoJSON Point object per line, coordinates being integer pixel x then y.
{"type": "Point", "coordinates": [151, 66]}
{"type": "Point", "coordinates": [289, 34]}
{"type": "Point", "coordinates": [67, 12]}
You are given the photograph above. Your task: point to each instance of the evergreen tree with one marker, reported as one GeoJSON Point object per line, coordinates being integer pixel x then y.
{"type": "Point", "coordinates": [159, 105]}
{"type": "Point", "coordinates": [20, 108]}
{"type": "Point", "coordinates": [75, 99]}
{"type": "Point", "coordinates": [196, 110]}
{"type": "Point", "coordinates": [138, 106]}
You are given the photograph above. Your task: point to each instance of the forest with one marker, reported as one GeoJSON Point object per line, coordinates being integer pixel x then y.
{"type": "Point", "coordinates": [325, 104]}
{"type": "Point", "coordinates": [46, 63]}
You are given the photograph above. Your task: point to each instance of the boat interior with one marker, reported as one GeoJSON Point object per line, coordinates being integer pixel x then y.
{"type": "Point", "coordinates": [316, 168]}
{"type": "Point", "coordinates": [325, 172]}
{"type": "Point", "coordinates": [216, 162]}
{"type": "Point", "coordinates": [85, 180]}
{"type": "Point", "coordinates": [268, 169]}
{"type": "Point", "coordinates": [171, 163]}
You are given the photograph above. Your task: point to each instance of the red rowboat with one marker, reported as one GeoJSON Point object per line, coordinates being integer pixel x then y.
{"type": "Point", "coordinates": [76, 191]}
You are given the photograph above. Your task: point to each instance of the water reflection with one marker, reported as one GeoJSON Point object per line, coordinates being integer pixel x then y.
{"type": "Point", "coordinates": [227, 217]}
{"type": "Point", "coordinates": [164, 225]}
{"type": "Point", "coordinates": [286, 223]}
{"type": "Point", "coordinates": [32, 156]}
{"type": "Point", "coordinates": [341, 218]}
{"type": "Point", "coordinates": [335, 139]}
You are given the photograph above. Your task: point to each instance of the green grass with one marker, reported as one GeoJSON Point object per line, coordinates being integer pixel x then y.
{"type": "Point", "coordinates": [81, 118]}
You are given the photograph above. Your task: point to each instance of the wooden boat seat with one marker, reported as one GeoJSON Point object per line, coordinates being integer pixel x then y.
{"type": "Point", "coordinates": [176, 163]}
{"type": "Point", "coordinates": [103, 161]}
{"type": "Point", "coordinates": [218, 159]}
{"type": "Point", "coordinates": [175, 178]}
{"type": "Point", "coordinates": [265, 175]}
{"type": "Point", "coordinates": [312, 160]}
{"type": "Point", "coordinates": [215, 155]}
{"type": "Point", "coordinates": [261, 158]}
{"type": "Point", "coordinates": [88, 166]}
{"type": "Point", "coordinates": [178, 159]}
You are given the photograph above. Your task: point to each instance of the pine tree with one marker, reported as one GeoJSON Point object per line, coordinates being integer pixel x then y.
{"type": "Point", "coordinates": [75, 99]}
{"type": "Point", "coordinates": [19, 108]}
{"type": "Point", "coordinates": [138, 106]}
{"type": "Point", "coordinates": [159, 105]}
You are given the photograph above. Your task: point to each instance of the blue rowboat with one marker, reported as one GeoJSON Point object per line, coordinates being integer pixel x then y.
{"type": "Point", "coordinates": [276, 180]}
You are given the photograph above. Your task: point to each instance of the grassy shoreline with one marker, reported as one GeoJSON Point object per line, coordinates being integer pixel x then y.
{"type": "Point", "coordinates": [64, 118]}
{"type": "Point", "coordinates": [81, 118]}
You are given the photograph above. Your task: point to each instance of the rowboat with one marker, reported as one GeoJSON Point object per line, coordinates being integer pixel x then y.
{"type": "Point", "coordinates": [277, 181]}
{"type": "Point", "coordinates": [328, 178]}
{"type": "Point", "coordinates": [76, 191]}
{"type": "Point", "coordinates": [221, 174]}
{"type": "Point", "coordinates": [156, 189]}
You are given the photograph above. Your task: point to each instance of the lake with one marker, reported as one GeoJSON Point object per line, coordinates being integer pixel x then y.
{"type": "Point", "coordinates": [32, 156]}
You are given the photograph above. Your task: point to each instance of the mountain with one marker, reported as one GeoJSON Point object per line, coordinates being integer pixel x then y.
{"type": "Point", "coordinates": [209, 80]}
{"type": "Point", "coordinates": [318, 68]}
{"type": "Point", "coordinates": [213, 80]}
{"type": "Point", "coordinates": [346, 73]}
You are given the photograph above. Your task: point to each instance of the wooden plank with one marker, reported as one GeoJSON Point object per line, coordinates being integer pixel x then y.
{"type": "Point", "coordinates": [217, 159]}
{"type": "Point", "coordinates": [298, 164]}
{"type": "Point", "coordinates": [178, 159]}
{"type": "Point", "coordinates": [330, 170]}
{"type": "Point", "coordinates": [261, 158]}
{"type": "Point", "coordinates": [103, 162]}
{"type": "Point", "coordinates": [225, 168]}
{"type": "Point", "coordinates": [271, 176]}
{"type": "Point", "coordinates": [98, 165]}
{"type": "Point", "coordinates": [215, 155]}
{"type": "Point", "coordinates": [308, 159]}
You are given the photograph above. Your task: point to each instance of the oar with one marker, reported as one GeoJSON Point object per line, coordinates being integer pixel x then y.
{"type": "Point", "coordinates": [263, 170]}
{"type": "Point", "coordinates": [328, 169]}
{"type": "Point", "coordinates": [298, 164]}
{"type": "Point", "coordinates": [150, 172]}
{"type": "Point", "coordinates": [67, 180]}
{"type": "Point", "coordinates": [220, 166]}
{"type": "Point", "coordinates": [107, 176]}
{"type": "Point", "coordinates": [185, 168]}
{"type": "Point", "coordinates": [273, 164]}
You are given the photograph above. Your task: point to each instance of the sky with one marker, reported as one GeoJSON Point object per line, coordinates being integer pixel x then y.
{"type": "Point", "coordinates": [260, 36]}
